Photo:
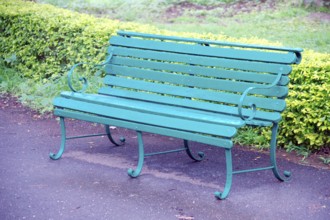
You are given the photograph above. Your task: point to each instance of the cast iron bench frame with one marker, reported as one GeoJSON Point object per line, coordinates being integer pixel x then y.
{"type": "Point", "coordinates": [193, 89]}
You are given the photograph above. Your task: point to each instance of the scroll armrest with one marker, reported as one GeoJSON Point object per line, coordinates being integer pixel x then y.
{"type": "Point", "coordinates": [253, 105]}
{"type": "Point", "coordinates": [83, 79]}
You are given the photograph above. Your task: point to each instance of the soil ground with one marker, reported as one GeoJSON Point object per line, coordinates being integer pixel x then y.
{"type": "Point", "coordinates": [235, 8]}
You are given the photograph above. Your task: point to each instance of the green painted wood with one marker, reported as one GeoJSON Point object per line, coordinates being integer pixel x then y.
{"type": "Point", "coordinates": [146, 118]}
{"type": "Point", "coordinates": [190, 90]}
{"type": "Point", "coordinates": [193, 104]}
{"type": "Point", "coordinates": [195, 81]}
{"type": "Point", "coordinates": [157, 109]}
{"type": "Point", "coordinates": [58, 155]}
{"type": "Point", "coordinates": [220, 142]}
{"type": "Point", "coordinates": [201, 60]}
{"type": "Point", "coordinates": [136, 172]}
{"type": "Point", "coordinates": [206, 42]}
{"type": "Point", "coordinates": [206, 71]}
{"type": "Point", "coordinates": [230, 98]}
{"type": "Point", "coordinates": [251, 55]}
{"type": "Point", "coordinates": [286, 174]}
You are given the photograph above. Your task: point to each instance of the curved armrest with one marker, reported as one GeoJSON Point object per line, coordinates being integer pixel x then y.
{"type": "Point", "coordinates": [83, 79]}
{"type": "Point", "coordinates": [252, 105]}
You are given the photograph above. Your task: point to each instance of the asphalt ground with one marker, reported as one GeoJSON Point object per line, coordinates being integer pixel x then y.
{"type": "Point", "coordinates": [90, 181]}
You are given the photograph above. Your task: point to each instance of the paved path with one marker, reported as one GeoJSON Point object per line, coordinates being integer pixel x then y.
{"type": "Point", "coordinates": [90, 181]}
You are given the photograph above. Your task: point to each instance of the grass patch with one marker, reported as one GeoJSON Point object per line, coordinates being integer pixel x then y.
{"type": "Point", "coordinates": [325, 160]}
{"type": "Point", "coordinates": [248, 135]}
{"type": "Point", "coordinates": [300, 150]}
{"type": "Point", "coordinates": [9, 80]}
{"type": "Point", "coordinates": [289, 22]}
{"type": "Point", "coordinates": [38, 95]}
{"type": "Point", "coordinates": [291, 27]}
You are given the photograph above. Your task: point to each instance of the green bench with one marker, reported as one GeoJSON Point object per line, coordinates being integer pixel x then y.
{"type": "Point", "coordinates": [192, 89]}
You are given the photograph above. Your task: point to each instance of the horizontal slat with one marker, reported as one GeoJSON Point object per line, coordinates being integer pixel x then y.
{"type": "Point", "coordinates": [199, 70]}
{"type": "Point", "coordinates": [145, 118]}
{"type": "Point", "coordinates": [265, 103]}
{"type": "Point", "coordinates": [195, 81]}
{"type": "Point", "coordinates": [220, 142]}
{"type": "Point", "coordinates": [199, 60]}
{"type": "Point", "coordinates": [157, 109]}
{"type": "Point", "coordinates": [253, 55]}
{"type": "Point", "coordinates": [260, 116]}
{"type": "Point", "coordinates": [203, 41]}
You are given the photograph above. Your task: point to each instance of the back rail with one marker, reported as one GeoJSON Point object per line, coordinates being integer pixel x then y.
{"type": "Point", "coordinates": [210, 42]}
{"type": "Point", "coordinates": [187, 92]}
{"type": "Point", "coordinates": [200, 60]}
{"type": "Point", "coordinates": [187, 103]}
{"type": "Point", "coordinates": [193, 49]}
{"type": "Point", "coordinates": [194, 81]}
{"type": "Point", "coordinates": [202, 71]}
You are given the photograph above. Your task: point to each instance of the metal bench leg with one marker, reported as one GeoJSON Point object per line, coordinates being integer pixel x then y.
{"type": "Point", "coordinates": [201, 154]}
{"type": "Point", "coordinates": [286, 174]}
{"type": "Point", "coordinates": [107, 130]}
{"type": "Point", "coordinates": [229, 176]}
{"type": "Point", "coordinates": [63, 139]}
{"type": "Point", "coordinates": [135, 173]}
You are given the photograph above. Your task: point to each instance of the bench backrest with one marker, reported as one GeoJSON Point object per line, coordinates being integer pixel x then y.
{"type": "Point", "coordinates": [197, 73]}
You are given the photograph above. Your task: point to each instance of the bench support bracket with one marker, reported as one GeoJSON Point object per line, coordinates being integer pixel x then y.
{"type": "Point", "coordinates": [286, 174]}
{"type": "Point", "coordinates": [200, 154]}
{"type": "Point", "coordinates": [107, 130]}
{"type": "Point", "coordinates": [63, 139]}
{"type": "Point", "coordinates": [285, 177]}
{"type": "Point", "coordinates": [186, 148]}
{"type": "Point", "coordinates": [142, 155]}
{"type": "Point", "coordinates": [137, 171]}
{"type": "Point", "coordinates": [229, 176]}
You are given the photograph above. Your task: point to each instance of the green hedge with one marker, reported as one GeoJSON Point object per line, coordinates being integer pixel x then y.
{"type": "Point", "coordinates": [307, 118]}
{"type": "Point", "coordinates": [42, 42]}
{"type": "Point", "coordinates": [46, 40]}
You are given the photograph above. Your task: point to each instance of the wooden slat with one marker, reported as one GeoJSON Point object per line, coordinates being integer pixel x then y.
{"type": "Point", "coordinates": [145, 118]}
{"type": "Point", "coordinates": [199, 70]}
{"type": "Point", "coordinates": [297, 51]}
{"type": "Point", "coordinates": [220, 142]}
{"type": "Point", "coordinates": [194, 104]}
{"type": "Point", "coordinates": [203, 41]}
{"type": "Point", "coordinates": [157, 109]}
{"type": "Point", "coordinates": [200, 60]}
{"type": "Point", "coordinates": [253, 55]}
{"type": "Point", "coordinates": [195, 81]}
{"type": "Point", "coordinates": [266, 103]}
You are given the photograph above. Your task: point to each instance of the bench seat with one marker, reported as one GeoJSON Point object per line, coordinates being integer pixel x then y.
{"type": "Point", "coordinates": [140, 117]}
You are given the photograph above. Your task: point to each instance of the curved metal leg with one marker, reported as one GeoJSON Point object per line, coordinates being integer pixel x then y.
{"type": "Point", "coordinates": [286, 174]}
{"type": "Point", "coordinates": [107, 130]}
{"type": "Point", "coordinates": [201, 154]}
{"type": "Point", "coordinates": [229, 177]}
{"type": "Point", "coordinates": [63, 139]}
{"type": "Point", "coordinates": [135, 173]}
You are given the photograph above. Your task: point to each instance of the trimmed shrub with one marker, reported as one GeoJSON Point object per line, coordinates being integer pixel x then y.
{"type": "Point", "coordinates": [43, 42]}
{"type": "Point", "coordinates": [307, 118]}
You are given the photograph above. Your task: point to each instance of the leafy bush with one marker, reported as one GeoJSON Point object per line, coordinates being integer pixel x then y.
{"type": "Point", "coordinates": [42, 42]}
{"type": "Point", "coordinates": [46, 40]}
{"type": "Point", "coordinates": [307, 118]}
